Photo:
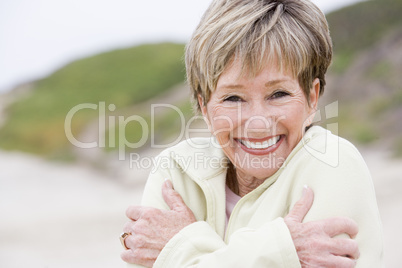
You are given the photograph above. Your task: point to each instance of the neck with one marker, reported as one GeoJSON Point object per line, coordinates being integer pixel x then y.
{"type": "Point", "coordinates": [240, 183]}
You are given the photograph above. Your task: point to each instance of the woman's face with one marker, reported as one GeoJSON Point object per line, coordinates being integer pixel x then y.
{"type": "Point", "coordinates": [259, 120]}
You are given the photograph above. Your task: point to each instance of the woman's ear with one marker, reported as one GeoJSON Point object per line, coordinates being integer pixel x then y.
{"type": "Point", "coordinates": [203, 107]}
{"type": "Point", "coordinates": [313, 102]}
{"type": "Point", "coordinates": [315, 94]}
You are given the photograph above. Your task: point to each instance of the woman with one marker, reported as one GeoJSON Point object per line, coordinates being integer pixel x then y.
{"type": "Point", "coordinates": [257, 69]}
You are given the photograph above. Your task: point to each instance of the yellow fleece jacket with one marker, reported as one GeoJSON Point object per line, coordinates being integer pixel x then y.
{"type": "Point", "coordinates": [256, 235]}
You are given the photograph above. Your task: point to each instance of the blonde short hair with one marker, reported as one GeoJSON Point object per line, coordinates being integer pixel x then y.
{"type": "Point", "coordinates": [292, 33]}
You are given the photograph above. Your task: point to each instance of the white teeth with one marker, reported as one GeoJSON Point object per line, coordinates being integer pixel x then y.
{"type": "Point", "coordinates": [258, 145]}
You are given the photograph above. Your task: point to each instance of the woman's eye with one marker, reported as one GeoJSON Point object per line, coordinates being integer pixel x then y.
{"type": "Point", "coordinates": [233, 99]}
{"type": "Point", "coordinates": [279, 94]}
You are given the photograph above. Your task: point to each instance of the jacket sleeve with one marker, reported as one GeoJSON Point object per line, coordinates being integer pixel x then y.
{"type": "Point", "coordinates": [344, 188]}
{"type": "Point", "coordinates": [198, 245]}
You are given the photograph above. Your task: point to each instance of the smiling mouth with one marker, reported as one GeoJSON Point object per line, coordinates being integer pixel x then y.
{"type": "Point", "coordinates": [260, 145]}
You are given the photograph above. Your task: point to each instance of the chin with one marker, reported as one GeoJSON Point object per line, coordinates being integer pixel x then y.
{"type": "Point", "coordinates": [262, 171]}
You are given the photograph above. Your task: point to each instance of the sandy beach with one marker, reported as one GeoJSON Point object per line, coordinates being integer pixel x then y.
{"type": "Point", "coordinates": [61, 215]}
{"type": "Point", "coordinates": [56, 215]}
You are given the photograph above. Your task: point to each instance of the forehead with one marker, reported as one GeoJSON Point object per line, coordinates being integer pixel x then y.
{"type": "Point", "coordinates": [236, 73]}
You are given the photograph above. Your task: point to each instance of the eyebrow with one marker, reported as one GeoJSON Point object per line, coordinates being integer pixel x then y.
{"type": "Point", "coordinates": [275, 82]}
{"type": "Point", "coordinates": [231, 86]}
{"type": "Point", "coordinates": [267, 84]}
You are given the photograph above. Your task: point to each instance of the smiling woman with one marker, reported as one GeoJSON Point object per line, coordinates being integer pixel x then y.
{"type": "Point", "coordinates": [256, 69]}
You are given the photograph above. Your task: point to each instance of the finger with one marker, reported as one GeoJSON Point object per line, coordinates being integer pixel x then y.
{"type": "Point", "coordinates": [137, 241]}
{"type": "Point", "coordinates": [144, 257]}
{"type": "Point", "coordinates": [346, 248]}
{"type": "Point", "coordinates": [302, 206]}
{"type": "Point", "coordinates": [341, 262]}
{"type": "Point", "coordinates": [127, 256]}
{"type": "Point", "coordinates": [340, 225]}
{"type": "Point", "coordinates": [134, 212]}
{"type": "Point", "coordinates": [171, 197]}
{"type": "Point", "coordinates": [128, 227]}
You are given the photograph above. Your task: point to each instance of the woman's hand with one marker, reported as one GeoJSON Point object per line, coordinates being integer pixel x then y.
{"type": "Point", "coordinates": [152, 228]}
{"type": "Point", "coordinates": [315, 242]}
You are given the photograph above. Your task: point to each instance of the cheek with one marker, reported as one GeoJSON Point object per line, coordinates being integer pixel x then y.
{"type": "Point", "coordinates": [298, 112]}
{"type": "Point", "coordinates": [294, 117]}
{"type": "Point", "coordinates": [223, 119]}
{"type": "Point", "coordinates": [298, 107]}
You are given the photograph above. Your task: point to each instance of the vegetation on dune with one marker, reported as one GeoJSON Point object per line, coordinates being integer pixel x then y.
{"type": "Point", "coordinates": [122, 77]}
{"type": "Point", "coordinates": [366, 70]}
{"type": "Point", "coordinates": [161, 128]}
{"type": "Point", "coordinates": [358, 27]}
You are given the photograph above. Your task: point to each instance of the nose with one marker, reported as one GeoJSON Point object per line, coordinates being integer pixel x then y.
{"type": "Point", "coordinates": [258, 119]}
{"type": "Point", "coordinates": [258, 122]}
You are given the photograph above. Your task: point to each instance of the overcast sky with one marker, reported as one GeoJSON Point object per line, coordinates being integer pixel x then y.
{"type": "Point", "coordinates": [39, 36]}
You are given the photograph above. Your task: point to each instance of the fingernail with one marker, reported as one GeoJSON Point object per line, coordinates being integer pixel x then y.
{"type": "Point", "coordinates": [305, 187]}
{"type": "Point", "coordinates": [168, 183]}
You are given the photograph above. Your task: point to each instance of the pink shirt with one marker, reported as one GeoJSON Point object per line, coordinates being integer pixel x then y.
{"type": "Point", "coordinates": [231, 201]}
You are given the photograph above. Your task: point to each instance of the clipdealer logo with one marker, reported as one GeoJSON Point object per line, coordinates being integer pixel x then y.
{"type": "Point", "coordinates": [328, 151]}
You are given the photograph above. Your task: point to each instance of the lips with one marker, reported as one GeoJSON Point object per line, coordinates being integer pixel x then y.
{"type": "Point", "coordinates": [260, 146]}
